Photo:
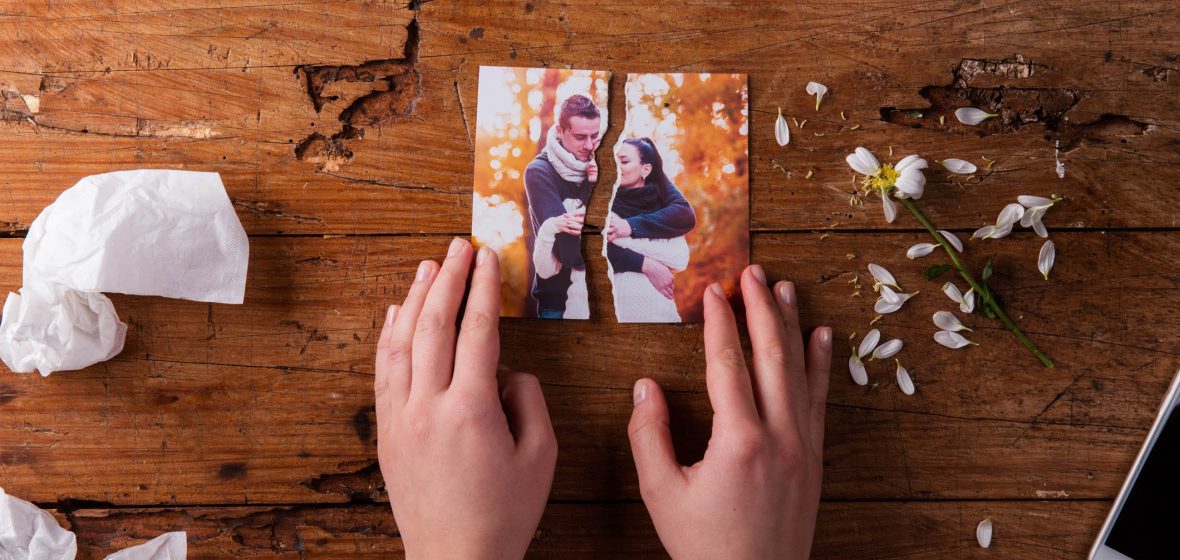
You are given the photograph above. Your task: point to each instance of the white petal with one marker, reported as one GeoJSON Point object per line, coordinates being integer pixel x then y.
{"type": "Point", "coordinates": [1010, 215]}
{"type": "Point", "coordinates": [983, 532]}
{"type": "Point", "coordinates": [952, 291]}
{"type": "Point", "coordinates": [888, 349]}
{"type": "Point", "coordinates": [947, 321]}
{"type": "Point", "coordinates": [972, 116]}
{"type": "Point", "coordinates": [984, 232]}
{"type": "Point", "coordinates": [920, 250]}
{"type": "Point", "coordinates": [1046, 258]}
{"type": "Point", "coordinates": [889, 207]}
{"type": "Point", "coordinates": [782, 132]}
{"type": "Point", "coordinates": [968, 303]}
{"type": "Point", "coordinates": [885, 306]}
{"type": "Point", "coordinates": [889, 295]}
{"type": "Point", "coordinates": [950, 339]}
{"type": "Point", "coordinates": [818, 90]}
{"type": "Point", "coordinates": [1039, 227]}
{"type": "Point", "coordinates": [857, 369]}
{"type": "Point", "coordinates": [958, 166]}
{"type": "Point", "coordinates": [863, 161]}
{"type": "Point", "coordinates": [952, 239]}
{"type": "Point", "coordinates": [904, 381]}
{"type": "Point", "coordinates": [1029, 201]}
{"type": "Point", "coordinates": [1002, 231]}
{"type": "Point", "coordinates": [911, 182]}
{"type": "Point", "coordinates": [911, 161]}
{"type": "Point", "coordinates": [882, 276]}
{"type": "Point", "coordinates": [869, 342]}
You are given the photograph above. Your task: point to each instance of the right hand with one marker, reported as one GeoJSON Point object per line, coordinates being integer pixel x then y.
{"type": "Point", "coordinates": [756, 492]}
{"type": "Point", "coordinates": [660, 276]}
{"type": "Point", "coordinates": [571, 223]}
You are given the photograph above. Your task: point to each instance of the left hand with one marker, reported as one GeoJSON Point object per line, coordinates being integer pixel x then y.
{"type": "Point", "coordinates": [617, 228]}
{"type": "Point", "coordinates": [467, 456]}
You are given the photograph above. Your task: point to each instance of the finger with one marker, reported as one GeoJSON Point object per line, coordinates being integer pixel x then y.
{"type": "Point", "coordinates": [383, 368]}
{"type": "Point", "coordinates": [797, 381]}
{"type": "Point", "coordinates": [434, 336]}
{"type": "Point", "coordinates": [528, 417]}
{"type": "Point", "coordinates": [771, 359]}
{"type": "Point", "coordinates": [819, 369]}
{"type": "Point", "coordinates": [726, 377]}
{"type": "Point", "coordinates": [651, 439]}
{"type": "Point", "coordinates": [477, 352]}
{"type": "Point", "coordinates": [398, 355]}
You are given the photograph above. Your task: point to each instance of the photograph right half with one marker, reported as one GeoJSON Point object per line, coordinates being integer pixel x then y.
{"type": "Point", "coordinates": [679, 215]}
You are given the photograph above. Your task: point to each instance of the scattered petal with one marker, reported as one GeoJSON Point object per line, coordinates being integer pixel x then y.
{"type": "Point", "coordinates": [857, 369]}
{"type": "Point", "coordinates": [1010, 215]}
{"type": "Point", "coordinates": [920, 250]}
{"type": "Point", "coordinates": [983, 532]}
{"type": "Point", "coordinates": [882, 276]}
{"type": "Point", "coordinates": [890, 209]}
{"type": "Point", "coordinates": [968, 305]}
{"type": "Point", "coordinates": [947, 321]}
{"type": "Point", "coordinates": [1029, 201]}
{"type": "Point", "coordinates": [1046, 258]}
{"type": "Point", "coordinates": [903, 379]}
{"type": "Point", "coordinates": [868, 343]}
{"type": "Point", "coordinates": [951, 339]}
{"type": "Point", "coordinates": [890, 301]}
{"type": "Point", "coordinates": [889, 295]}
{"type": "Point", "coordinates": [966, 301]}
{"type": "Point", "coordinates": [888, 349]}
{"type": "Point", "coordinates": [952, 239]}
{"type": "Point", "coordinates": [863, 161]}
{"type": "Point", "coordinates": [958, 166]}
{"type": "Point", "coordinates": [782, 132]}
{"type": "Point", "coordinates": [972, 116]}
{"type": "Point", "coordinates": [818, 90]}
{"type": "Point", "coordinates": [984, 232]}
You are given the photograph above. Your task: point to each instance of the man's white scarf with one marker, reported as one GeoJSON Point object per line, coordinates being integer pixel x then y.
{"type": "Point", "coordinates": [565, 163]}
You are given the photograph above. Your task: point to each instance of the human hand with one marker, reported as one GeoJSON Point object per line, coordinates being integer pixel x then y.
{"type": "Point", "coordinates": [592, 170]}
{"type": "Point", "coordinates": [659, 275]}
{"type": "Point", "coordinates": [756, 492]}
{"type": "Point", "coordinates": [617, 228]}
{"type": "Point", "coordinates": [467, 456]}
{"type": "Point", "coordinates": [571, 223]}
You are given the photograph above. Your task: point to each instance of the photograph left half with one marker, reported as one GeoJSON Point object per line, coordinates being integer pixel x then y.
{"type": "Point", "coordinates": [537, 131]}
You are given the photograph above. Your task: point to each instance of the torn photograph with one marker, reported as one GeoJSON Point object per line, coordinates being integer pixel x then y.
{"type": "Point", "coordinates": [679, 215]}
{"type": "Point", "coordinates": [537, 130]}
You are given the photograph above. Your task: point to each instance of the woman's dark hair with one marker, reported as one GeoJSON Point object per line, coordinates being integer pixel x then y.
{"type": "Point", "coordinates": [650, 155]}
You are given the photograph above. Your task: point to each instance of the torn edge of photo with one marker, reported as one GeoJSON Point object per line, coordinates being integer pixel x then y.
{"type": "Point", "coordinates": [536, 134]}
{"type": "Point", "coordinates": [679, 215]}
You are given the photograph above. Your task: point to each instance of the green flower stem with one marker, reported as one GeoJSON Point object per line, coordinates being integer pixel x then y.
{"type": "Point", "coordinates": [983, 293]}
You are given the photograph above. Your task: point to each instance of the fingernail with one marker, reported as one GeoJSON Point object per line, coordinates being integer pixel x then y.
{"type": "Point", "coordinates": [390, 314]}
{"type": "Point", "coordinates": [758, 273]}
{"type": "Point", "coordinates": [640, 392]}
{"type": "Point", "coordinates": [423, 271]}
{"type": "Point", "coordinates": [482, 255]}
{"type": "Point", "coordinates": [786, 292]}
{"type": "Point", "coordinates": [456, 245]}
{"type": "Point", "coordinates": [825, 337]}
{"type": "Point", "coordinates": [716, 287]}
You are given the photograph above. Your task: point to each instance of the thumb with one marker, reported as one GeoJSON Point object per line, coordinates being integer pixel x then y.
{"type": "Point", "coordinates": [651, 438]}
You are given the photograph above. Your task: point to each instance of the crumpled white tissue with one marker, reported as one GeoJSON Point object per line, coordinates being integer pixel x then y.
{"type": "Point", "coordinates": [28, 532]}
{"type": "Point", "coordinates": [145, 232]}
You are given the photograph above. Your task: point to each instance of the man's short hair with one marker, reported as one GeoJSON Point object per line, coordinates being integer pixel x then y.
{"type": "Point", "coordinates": [577, 105]}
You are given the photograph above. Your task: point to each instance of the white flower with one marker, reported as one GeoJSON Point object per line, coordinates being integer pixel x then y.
{"type": "Point", "coordinates": [882, 277]}
{"type": "Point", "coordinates": [856, 365]}
{"type": "Point", "coordinates": [947, 321]}
{"type": "Point", "coordinates": [782, 132]}
{"type": "Point", "coordinates": [972, 116]}
{"type": "Point", "coordinates": [910, 181]}
{"type": "Point", "coordinates": [952, 239]}
{"type": "Point", "coordinates": [905, 180]}
{"type": "Point", "coordinates": [890, 301]}
{"type": "Point", "coordinates": [818, 90]}
{"type": "Point", "coordinates": [1035, 206]}
{"type": "Point", "coordinates": [887, 350]}
{"type": "Point", "coordinates": [951, 339]}
{"type": "Point", "coordinates": [1008, 217]}
{"type": "Point", "coordinates": [983, 532]}
{"type": "Point", "coordinates": [903, 379]}
{"type": "Point", "coordinates": [863, 161]}
{"type": "Point", "coordinates": [966, 301]}
{"type": "Point", "coordinates": [920, 250]}
{"type": "Point", "coordinates": [1046, 258]}
{"type": "Point", "coordinates": [958, 166]}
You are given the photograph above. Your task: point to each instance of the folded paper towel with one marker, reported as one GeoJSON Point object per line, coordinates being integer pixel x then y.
{"type": "Point", "coordinates": [28, 532]}
{"type": "Point", "coordinates": [144, 232]}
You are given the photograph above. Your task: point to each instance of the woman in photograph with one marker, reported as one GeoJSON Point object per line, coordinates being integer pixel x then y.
{"type": "Point", "coordinates": [645, 232]}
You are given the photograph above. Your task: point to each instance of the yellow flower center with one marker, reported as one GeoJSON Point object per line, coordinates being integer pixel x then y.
{"type": "Point", "coordinates": [883, 180]}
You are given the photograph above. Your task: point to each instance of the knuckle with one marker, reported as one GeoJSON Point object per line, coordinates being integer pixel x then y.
{"type": "Point", "coordinates": [776, 356]}
{"type": "Point", "coordinates": [730, 356]}
{"type": "Point", "coordinates": [749, 444]}
{"type": "Point", "coordinates": [432, 323]}
{"type": "Point", "coordinates": [478, 321]}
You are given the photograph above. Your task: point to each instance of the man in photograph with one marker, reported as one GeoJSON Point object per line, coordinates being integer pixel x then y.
{"type": "Point", "coordinates": [558, 183]}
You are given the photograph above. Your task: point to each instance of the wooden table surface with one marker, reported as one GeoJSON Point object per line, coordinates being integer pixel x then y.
{"type": "Point", "coordinates": [343, 133]}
